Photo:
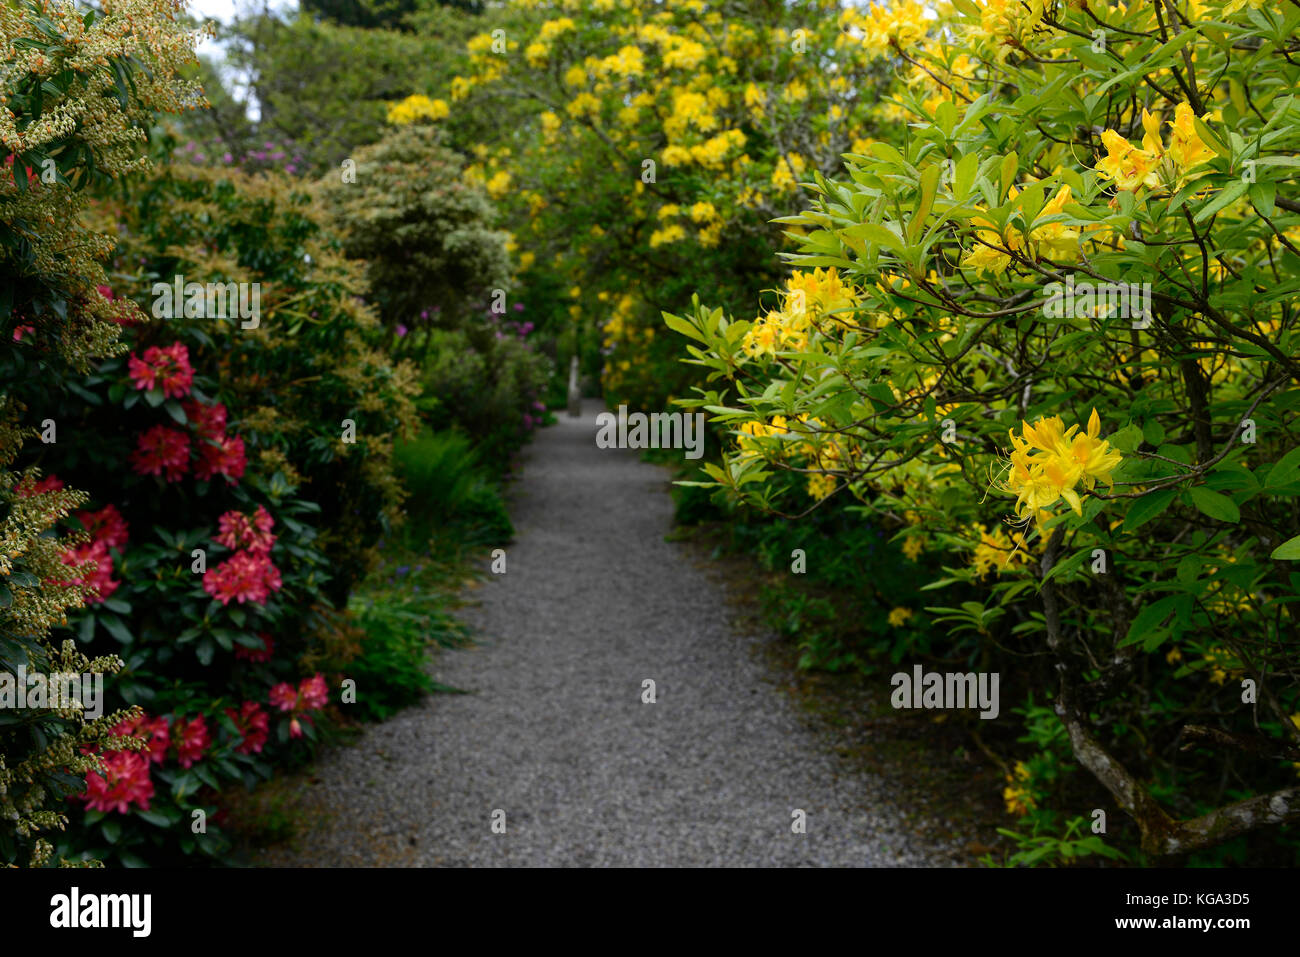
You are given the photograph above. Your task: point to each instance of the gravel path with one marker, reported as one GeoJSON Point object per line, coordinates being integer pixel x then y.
{"type": "Point", "coordinates": [555, 733]}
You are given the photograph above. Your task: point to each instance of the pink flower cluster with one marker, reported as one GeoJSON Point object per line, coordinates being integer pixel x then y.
{"type": "Point", "coordinates": [219, 454]}
{"type": "Point", "coordinates": [237, 530]}
{"type": "Point", "coordinates": [312, 694]}
{"type": "Point", "coordinates": [108, 529]}
{"type": "Point", "coordinates": [192, 739]}
{"type": "Point", "coordinates": [166, 367]}
{"type": "Point", "coordinates": [107, 526]}
{"type": "Point", "coordinates": [155, 731]}
{"type": "Point", "coordinates": [164, 450]}
{"type": "Point", "coordinates": [253, 724]}
{"type": "Point", "coordinates": [125, 782]}
{"type": "Point", "coordinates": [248, 574]}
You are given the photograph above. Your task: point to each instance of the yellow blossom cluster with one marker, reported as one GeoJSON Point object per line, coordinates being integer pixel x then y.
{"type": "Point", "coordinates": [1049, 461]}
{"type": "Point", "coordinates": [994, 249]}
{"type": "Point", "coordinates": [417, 107]}
{"type": "Point", "coordinates": [1154, 164]}
{"type": "Point", "coordinates": [1017, 794]}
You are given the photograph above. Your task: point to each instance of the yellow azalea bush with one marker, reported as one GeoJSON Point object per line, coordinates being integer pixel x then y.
{"type": "Point", "coordinates": [1041, 323]}
{"type": "Point", "coordinates": [681, 129]}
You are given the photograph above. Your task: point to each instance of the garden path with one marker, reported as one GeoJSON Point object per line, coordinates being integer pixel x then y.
{"type": "Point", "coordinates": [555, 733]}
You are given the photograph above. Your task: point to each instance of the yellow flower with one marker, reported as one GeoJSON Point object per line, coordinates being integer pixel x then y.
{"type": "Point", "coordinates": [913, 546]}
{"type": "Point", "coordinates": [1061, 241]}
{"type": "Point", "coordinates": [992, 253]}
{"type": "Point", "coordinates": [1186, 148]}
{"type": "Point", "coordinates": [415, 107]}
{"type": "Point", "coordinates": [703, 212]}
{"type": "Point", "coordinates": [1048, 461]}
{"type": "Point", "coordinates": [820, 485]}
{"type": "Point", "coordinates": [669, 234]}
{"type": "Point", "coordinates": [899, 616]}
{"type": "Point", "coordinates": [1127, 165]}
{"type": "Point", "coordinates": [1017, 795]}
{"type": "Point", "coordinates": [499, 184]}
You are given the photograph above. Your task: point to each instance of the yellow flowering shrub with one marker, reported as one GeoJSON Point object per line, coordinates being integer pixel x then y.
{"type": "Point", "coordinates": [1046, 327]}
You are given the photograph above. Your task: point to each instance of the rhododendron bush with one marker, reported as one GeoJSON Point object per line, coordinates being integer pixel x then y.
{"type": "Point", "coordinates": [179, 508]}
{"type": "Point", "coordinates": [1045, 331]}
{"type": "Point", "coordinates": [79, 89]}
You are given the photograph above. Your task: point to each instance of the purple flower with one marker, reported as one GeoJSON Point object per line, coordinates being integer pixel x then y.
{"type": "Point", "coordinates": [291, 169]}
{"type": "Point", "coordinates": [424, 314]}
{"type": "Point", "coordinates": [519, 307]}
{"type": "Point", "coordinates": [227, 158]}
{"type": "Point", "coordinates": [401, 330]}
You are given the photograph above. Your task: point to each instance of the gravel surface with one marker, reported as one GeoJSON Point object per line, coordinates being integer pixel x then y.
{"type": "Point", "coordinates": [555, 733]}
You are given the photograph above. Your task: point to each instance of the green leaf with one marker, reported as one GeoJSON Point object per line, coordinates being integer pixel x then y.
{"type": "Point", "coordinates": [1127, 439]}
{"type": "Point", "coordinates": [678, 324]}
{"type": "Point", "coordinates": [1148, 619]}
{"type": "Point", "coordinates": [155, 818]}
{"type": "Point", "coordinates": [1210, 138]}
{"type": "Point", "coordinates": [1225, 196]}
{"type": "Point", "coordinates": [1286, 471]}
{"type": "Point", "coordinates": [1288, 551]}
{"type": "Point", "coordinates": [1216, 506]}
{"type": "Point", "coordinates": [116, 628]}
{"type": "Point", "coordinates": [1148, 507]}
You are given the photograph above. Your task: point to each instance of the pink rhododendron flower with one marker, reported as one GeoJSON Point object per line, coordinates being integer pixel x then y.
{"type": "Point", "coordinates": [221, 455]}
{"type": "Point", "coordinates": [155, 731]}
{"type": "Point", "coordinates": [162, 451]}
{"type": "Point", "coordinates": [313, 693]}
{"type": "Point", "coordinates": [166, 367]}
{"type": "Point", "coordinates": [253, 724]}
{"type": "Point", "coordinates": [99, 579]}
{"type": "Point", "coordinates": [106, 526]}
{"type": "Point", "coordinates": [191, 739]}
{"type": "Point", "coordinates": [236, 530]}
{"type": "Point", "coordinates": [244, 576]}
{"type": "Point", "coordinates": [125, 782]}
{"type": "Point", "coordinates": [284, 697]}
{"type": "Point", "coordinates": [209, 420]}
